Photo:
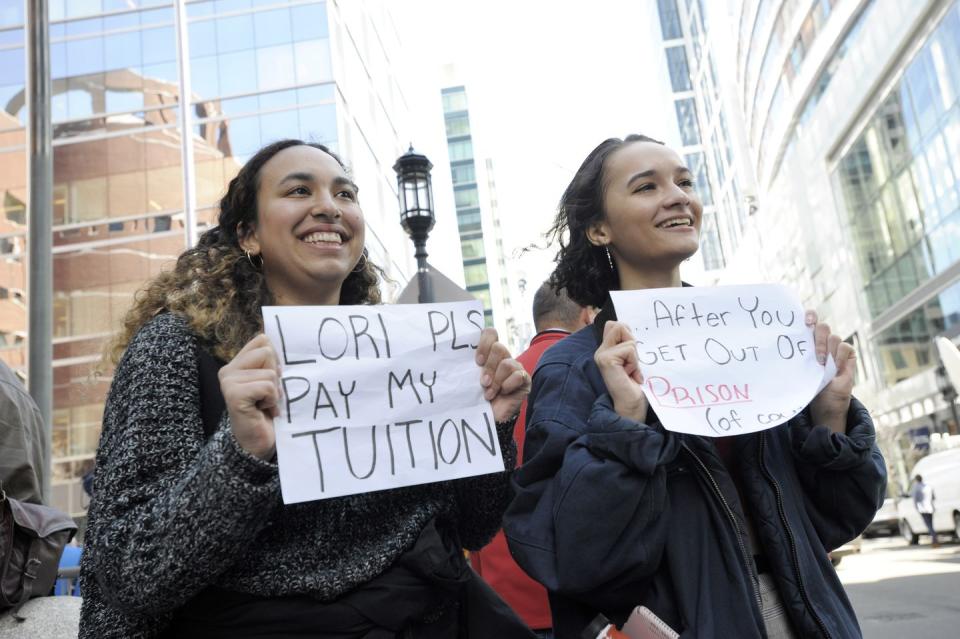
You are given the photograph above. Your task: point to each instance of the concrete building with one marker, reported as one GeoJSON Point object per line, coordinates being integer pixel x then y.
{"type": "Point", "coordinates": [128, 183]}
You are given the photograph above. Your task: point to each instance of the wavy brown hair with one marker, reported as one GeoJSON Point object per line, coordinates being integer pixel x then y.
{"type": "Point", "coordinates": [583, 270]}
{"type": "Point", "coordinates": [216, 287]}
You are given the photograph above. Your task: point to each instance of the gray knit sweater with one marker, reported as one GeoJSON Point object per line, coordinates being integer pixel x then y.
{"type": "Point", "coordinates": [172, 514]}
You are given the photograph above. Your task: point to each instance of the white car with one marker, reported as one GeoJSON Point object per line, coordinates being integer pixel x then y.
{"type": "Point", "coordinates": [942, 472]}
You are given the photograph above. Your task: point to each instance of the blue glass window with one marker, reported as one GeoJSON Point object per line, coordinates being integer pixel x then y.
{"type": "Point", "coordinates": [687, 121]}
{"type": "Point", "coordinates": [309, 22]}
{"type": "Point", "coordinates": [677, 65]}
{"type": "Point", "coordinates": [205, 77]}
{"type": "Point", "coordinates": [312, 61]}
{"type": "Point", "coordinates": [275, 68]}
{"type": "Point", "coordinates": [272, 27]}
{"type": "Point", "coordinates": [122, 50]}
{"type": "Point", "coordinates": [234, 33]}
{"type": "Point", "coordinates": [84, 56]}
{"type": "Point", "coordinates": [12, 67]}
{"type": "Point", "coordinates": [319, 123]}
{"type": "Point", "coordinates": [232, 82]}
{"type": "Point", "coordinates": [669, 19]}
{"type": "Point", "coordinates": [202, 37]}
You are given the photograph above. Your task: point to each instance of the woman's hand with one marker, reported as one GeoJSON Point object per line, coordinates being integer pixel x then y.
{"type": "Point", "coordinates": [831, 404]}
{"type": "Point", "coordinates": [505, 382]}
{"type": "Point", "coordinates": [250, 384]}
{"type": "Point", "coordinates": [617, 360]}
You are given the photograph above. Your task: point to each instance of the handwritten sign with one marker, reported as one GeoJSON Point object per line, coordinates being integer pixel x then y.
{"type": "Point", "coordinates": [378, 397]}
{"type": "Point", "coordinates": [725, 360]}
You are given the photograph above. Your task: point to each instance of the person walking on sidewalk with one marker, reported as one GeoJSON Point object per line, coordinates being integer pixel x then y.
{"type": "Point", "coordinates": [923, 498]}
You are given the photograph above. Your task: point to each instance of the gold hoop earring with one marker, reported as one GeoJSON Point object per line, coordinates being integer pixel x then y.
{"type": "Point", "coordinates": [249, 259]}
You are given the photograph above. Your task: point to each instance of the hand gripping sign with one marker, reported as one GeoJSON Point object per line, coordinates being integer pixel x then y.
{"type": "Point", "coordinates": [725, 360]}
{"type": "Point", "coordinates": [378, 397]}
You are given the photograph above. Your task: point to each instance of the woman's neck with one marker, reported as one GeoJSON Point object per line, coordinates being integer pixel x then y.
{"type": "Point", "coordinates": [317, 297]}
{"type": "Point", "coordinates": [632, 280]}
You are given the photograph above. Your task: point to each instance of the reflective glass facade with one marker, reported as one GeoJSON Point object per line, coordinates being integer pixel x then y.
{"type": "Point", "coordinates": [672, 17]}
{"type": "Point", "coordinates": [466, 195]}
{"type": "Point", "coordinates": [259, 70]}
{"type": "Point", "coordinates": [900, 181]}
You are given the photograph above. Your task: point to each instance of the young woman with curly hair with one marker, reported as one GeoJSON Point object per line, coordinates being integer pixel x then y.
{"type": "Point", "coordinates": [722, 537]}
{"type": "Point", "coordinates": [187, 533]}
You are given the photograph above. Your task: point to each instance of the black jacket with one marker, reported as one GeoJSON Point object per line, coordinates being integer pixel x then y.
{"type": "Point", "coordinates": [611, 513]}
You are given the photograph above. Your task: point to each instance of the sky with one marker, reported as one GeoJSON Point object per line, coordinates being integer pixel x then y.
{"type": "Point", "coordinates": [546, 83]}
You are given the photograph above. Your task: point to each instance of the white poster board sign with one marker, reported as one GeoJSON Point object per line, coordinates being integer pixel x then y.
{"type": "Point", "coordinates": [724, 360]}
{"type": "Point", "coordinates": [378, 397]}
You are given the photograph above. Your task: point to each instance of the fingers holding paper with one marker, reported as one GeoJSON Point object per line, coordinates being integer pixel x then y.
{"type": "Point", "coordinates": [619, 366]}
{"type": "Point", "coordinates": [504, 380]}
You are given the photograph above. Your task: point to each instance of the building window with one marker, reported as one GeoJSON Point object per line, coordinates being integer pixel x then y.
{"type": "Point", "coordinates": [460, 150]}
{"type": "Point", "coordinates": [899, 181]}
{"type": "Point", "coordinates": [669, 19]}
{"type": "Point", "coordinates": [454, 100]}
{"type": "Point", "coordinates": [475, 274]}
{"type": "Point", "coordinates": [698, 167]}
{"type": "Point", "coordinates": [463, 173]}
{"type": "Point", "coordinates": [687, 121]}
{"type": "Point", "coordinates": [458, 125]}
{"type": "Point", "coordinates": [472, 248]}
{"type": "Point", "coordinates": [906, 348]}
{"type": "Point", "coordinates": [679, 72]}
{"type": "Point", "coordinates": [466, 198]}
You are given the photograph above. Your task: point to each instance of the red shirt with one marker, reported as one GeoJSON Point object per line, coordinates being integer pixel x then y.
{"type": "Point", "coordinates": [494, 563]}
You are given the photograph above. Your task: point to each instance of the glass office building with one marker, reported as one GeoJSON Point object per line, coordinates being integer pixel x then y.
{"type": "Point", "coordinates": [131, 187]}
{"type": "Point", "coordinates": [901, 185]}
{"type": "Point", "coordinates": [463, 170]}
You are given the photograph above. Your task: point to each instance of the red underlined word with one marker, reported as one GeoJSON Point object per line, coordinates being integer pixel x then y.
{"type": "Point", "coordinates": [673, 396]}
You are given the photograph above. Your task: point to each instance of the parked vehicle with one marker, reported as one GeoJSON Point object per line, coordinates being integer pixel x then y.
{"type": "Point", "coordinates": [942, 472]}
{"type": "Point", "coordinates": [886, 522]}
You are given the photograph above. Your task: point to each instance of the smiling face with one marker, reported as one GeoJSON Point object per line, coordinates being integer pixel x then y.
{"type": "Point", "coordinates": [309, 229]}
{"type": "Point", "coordinates": [652, 214]}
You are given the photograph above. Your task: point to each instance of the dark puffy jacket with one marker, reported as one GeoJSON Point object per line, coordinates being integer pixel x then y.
{"type": "Point", "coordinates": [611, 513]}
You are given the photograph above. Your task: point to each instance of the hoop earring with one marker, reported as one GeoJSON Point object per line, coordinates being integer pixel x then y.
{"type": "Point", "coordinates": [609, 258]}
{"type": "Point", "coordinates": [361, 264]}
{"type": "Point", "coordinates": [249, 259]}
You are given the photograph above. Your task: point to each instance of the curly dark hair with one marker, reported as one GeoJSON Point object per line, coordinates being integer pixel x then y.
{"type": "Point", "coordinates": [216, 287]}
{"type": "Point", "coordinates": [583, 270]}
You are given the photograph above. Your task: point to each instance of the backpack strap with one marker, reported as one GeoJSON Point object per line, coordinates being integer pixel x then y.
{"type": "Point", "coordinates": [212, 403]}
{"type": "Point", "coordinates": [26, 584]}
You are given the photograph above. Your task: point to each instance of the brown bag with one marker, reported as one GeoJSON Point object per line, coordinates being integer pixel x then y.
{"type": "Point", "coordinates": [32, 538]}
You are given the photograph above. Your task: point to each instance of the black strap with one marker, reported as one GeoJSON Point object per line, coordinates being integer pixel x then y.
{"type": "Point", "coordinates": [26, 585]}
{"type": "Point", "coordinates": [212, 404]}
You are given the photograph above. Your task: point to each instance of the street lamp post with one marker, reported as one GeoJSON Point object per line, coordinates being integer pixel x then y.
{"type": "Point", "coordinates": [416, 211]}
{"type": "Point", "coordinates": [949, 394]}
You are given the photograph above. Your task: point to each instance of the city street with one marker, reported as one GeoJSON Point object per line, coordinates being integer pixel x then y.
{"type": "Point", "coordinates": [904, 591]}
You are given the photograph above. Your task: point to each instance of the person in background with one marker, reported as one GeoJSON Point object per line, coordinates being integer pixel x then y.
{"type": "Point", "coordinates": [188, 535]}
{"type": "Point", "coordinates": [718, 537]}
{"type": "Point", "coordinates": [22, 441]}
{"type": "Point", "coordinates": [555, 316]}
{"type": "Point", "coordinates": [923, 498]}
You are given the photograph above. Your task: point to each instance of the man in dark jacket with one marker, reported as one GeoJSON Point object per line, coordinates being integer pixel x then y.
{"type": "Point", "coordinates": [611, 513]}
{"type": "Point", "coordinates": [555, 316]}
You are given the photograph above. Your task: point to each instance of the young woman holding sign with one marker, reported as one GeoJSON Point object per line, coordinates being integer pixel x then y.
{"type": "Point", "coordinates": [718, 537]}
{"type": "Point", "coordinates": [187, 532]}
